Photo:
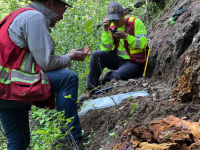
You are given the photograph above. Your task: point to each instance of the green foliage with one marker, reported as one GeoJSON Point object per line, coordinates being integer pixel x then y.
{"type": "Point", "coordinates": [111, 134]}
{"type": "Point", "coordinates": [45, 128]}
{"type": "Point", "coordinates": [138, 12]}
{"type": "Point", "coordinates": [153, 8]}
{"type": "Point", "coordinates": [2, 139]}
{"type": "Point", "coordinates": [92, 133]}
{"type": "Point", "coordinates": [3, 146]}
{"type": "Point", "coordinates": [133, 106]}
{"type": "Point", "coordinates": [7, 6]}
{"type": "Point", "coordinates": [133, 109]}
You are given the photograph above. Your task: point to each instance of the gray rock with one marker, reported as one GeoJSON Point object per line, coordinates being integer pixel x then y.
{"type": "Point", "coordinates": [132, 80]}
{"type": "Point", "coordinates": [145, 84]}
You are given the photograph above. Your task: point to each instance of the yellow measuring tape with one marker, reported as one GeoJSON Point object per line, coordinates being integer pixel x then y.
{"type": "Point", "coordinates": [145, 68]}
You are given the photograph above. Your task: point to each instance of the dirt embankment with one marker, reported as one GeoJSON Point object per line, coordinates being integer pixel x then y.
{"type": "Point", "coordinates": [174, 59]}
{"type": "Point", "coordinates": [108, 124]}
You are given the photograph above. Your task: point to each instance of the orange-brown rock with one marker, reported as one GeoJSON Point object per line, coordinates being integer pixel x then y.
{"type": "Point", "coordinates": [141, 132]}
{"type": "Point", "coordinates": [183, 87]}
{"type": "Point", "coordinates": [171, 133]}
{"type": "Point", "coordinates": [195, 146]}
{"type": "Point", "coordinates": [195, 129]}
{"type": "Point", "coordinates": [153, 146]}
{"type": "Point", "coordinates": [122, 146]}
{"type": "Point", "coordinates": [171, 129]}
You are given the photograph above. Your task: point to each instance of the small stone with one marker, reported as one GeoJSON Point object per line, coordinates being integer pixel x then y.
{"type": "Point", "coordinates": [145, 84]}
{"type": "Point", "coordinates": [143, 109]}
{"type": "Point", "coordinates": [121, 107]}
{"type": "Point", "coordinates": [115, 83]}
{"type": "Point", "coordinates": [154, 95]}
{"type": "Point", "coordinates": [152, 88]}
{"type": "Point", "coordinates": [149, 109]}
{"type": "Point", "coordinates": [146, 89]}
{"type": "Point", "coordinates": [184, 118]}
{"type": "Point", "coordinates": [155, 88]}
{"type": "Point", "coordinates": [137, 107]}
{"type": "Point", "coordinates": [113, 80]}
{"type": "Point", "coordinates": [190, 109]}
{"type": "Point", "coordinates": [132, 80]}
{"type": "Point", "coordinates": [131, 89]}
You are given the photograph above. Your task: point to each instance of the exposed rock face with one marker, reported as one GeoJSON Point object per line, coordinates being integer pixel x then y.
{"type": "Point", "coordinates": [170, 133]}
{"type": "Point", "coordinates": [175, 56]}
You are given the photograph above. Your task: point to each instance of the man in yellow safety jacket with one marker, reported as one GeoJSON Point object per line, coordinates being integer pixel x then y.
{"type": "Point", "coordinates": [123, 49]}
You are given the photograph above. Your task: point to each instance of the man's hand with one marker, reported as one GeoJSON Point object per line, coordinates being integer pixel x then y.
{"type": "Point", "coordinates": [87, 50]}
{"type": "Point", "coordinates": [78, 55]}
{"type": "Point", "coordinates": [106, 24]}
{"type": "Point", "coordinates": [120, 35]}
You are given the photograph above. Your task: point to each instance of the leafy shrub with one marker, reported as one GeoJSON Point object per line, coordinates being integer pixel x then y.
{"type": "Point", "coordinates": [45, 128]}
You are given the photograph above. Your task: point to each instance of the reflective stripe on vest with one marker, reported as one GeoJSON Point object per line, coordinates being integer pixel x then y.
{"type": "Point", "coordinates": [26, 73]}
{"type": "Point", "coordinates": [132, 51]}
{"type": "Point", "coordinates": [28, 64]}
{"type": "Point", "coordinates": [17, 75]}
{"type": "Point", "coordinates": [121, 52]}
{"type": "Point", "coordinates": [107, 45]}
{"type": "Point", "coordinates": [137, 46]}
{"type": "Point", "coordinates": [131, 19]}
{"type": "Point", "coordinates": [141, 35]}
{"type": "Point", "coordinates": [135, 51]}
{"type": "Point", "coordinates": [4, 75]}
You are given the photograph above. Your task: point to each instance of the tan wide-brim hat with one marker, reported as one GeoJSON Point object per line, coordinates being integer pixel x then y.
{"type": "Point", "coordinates": [65, 3]}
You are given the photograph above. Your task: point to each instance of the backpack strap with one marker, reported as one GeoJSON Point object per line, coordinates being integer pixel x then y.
{"type": "Point", "coordinates": [4, 20]}
{"type": "Point", "coordinates": [129, 29]}
{"type": "Point", "coordinates": [130, 26]}
{"type": "Point", "coordinates": [14, 14]}
{"type": "Point", "coordinates": [116, 41]}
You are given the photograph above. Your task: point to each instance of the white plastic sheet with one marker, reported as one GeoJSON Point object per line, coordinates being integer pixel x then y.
{"type": "Point", "coordinates": [107, 101]}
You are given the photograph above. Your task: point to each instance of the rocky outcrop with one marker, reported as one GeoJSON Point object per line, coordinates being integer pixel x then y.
{"type": "Point", "coordinates": [175, 57]}
{"type": "Point", "coordinates": [170, 133]}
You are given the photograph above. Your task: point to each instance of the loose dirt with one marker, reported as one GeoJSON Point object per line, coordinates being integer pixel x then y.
{"type": "Point", "coordinates": [106, 125]}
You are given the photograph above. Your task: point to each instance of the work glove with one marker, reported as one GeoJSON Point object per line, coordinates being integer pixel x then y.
{"type": "Point", "coordinates": [176, 14]}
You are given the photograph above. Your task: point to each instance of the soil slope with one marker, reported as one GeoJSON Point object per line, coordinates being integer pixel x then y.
{"type": "Point", "coordinates": [103, 123]}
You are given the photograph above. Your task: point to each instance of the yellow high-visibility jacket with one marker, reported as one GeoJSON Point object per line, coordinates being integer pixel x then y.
{"type": "Point", "coordinates": [137, 43]}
